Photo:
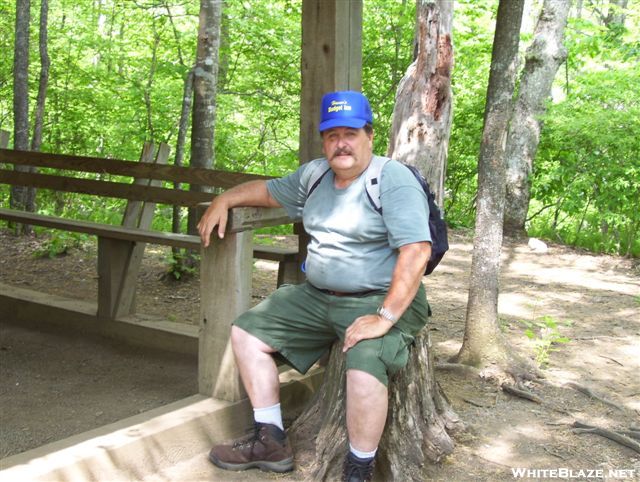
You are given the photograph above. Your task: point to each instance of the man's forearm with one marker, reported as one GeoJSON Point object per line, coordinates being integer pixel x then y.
{"type": "Point", "coordinates": [407, 276]}
{"type": "Point", "coordinates": [251, 193]}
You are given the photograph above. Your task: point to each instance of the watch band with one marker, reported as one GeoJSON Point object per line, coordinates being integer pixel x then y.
{"type": "Point", "coordinates": [387, 315]}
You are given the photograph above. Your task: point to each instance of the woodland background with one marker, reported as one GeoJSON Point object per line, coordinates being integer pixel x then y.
{"type": "Point", "coordinates": [118, 70]}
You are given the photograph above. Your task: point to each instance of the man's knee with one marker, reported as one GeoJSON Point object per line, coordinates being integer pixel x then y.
{"type": "Point", "coordinates": [380, 357]}
{"type": "Point", "coordinates": [242, 341]}
{"type": "Point", "coordinates": [361, 383]}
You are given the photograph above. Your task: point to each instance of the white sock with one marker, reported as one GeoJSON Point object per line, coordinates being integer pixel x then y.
{"type": "Point", "coordinates": [272, 415]}
{"type": "Point", "coordinates": [362, 455]}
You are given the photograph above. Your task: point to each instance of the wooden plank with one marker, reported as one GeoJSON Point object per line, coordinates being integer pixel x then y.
{"type": "Point", "coordinates": [200, 176]}
{"type": "Point", "coordinates": [4, 139]}
{"type": "Point", "coordinates": [225, 290]}
{"type": "Point", "coordinates": [105, 188]}
{"type": "Point", "coordinates": [105, 230]}
{"type": "Point", "coordinates": [273, 253]}
{"type": "Point", "coordinates": [109, 231]}
{"type": "Point", "coordinates": [119, 261]}
{"type": "Point", "coordinates": [244, 218]}
{"type": "Point", "coordinates": [114, 256]}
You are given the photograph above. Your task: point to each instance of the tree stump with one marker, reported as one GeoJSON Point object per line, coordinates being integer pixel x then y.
{"type": "Point", "coordinates": [417, 433]}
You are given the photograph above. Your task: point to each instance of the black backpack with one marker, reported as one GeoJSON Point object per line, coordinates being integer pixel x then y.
{"type": "Point", "coordinates": [437, 224]}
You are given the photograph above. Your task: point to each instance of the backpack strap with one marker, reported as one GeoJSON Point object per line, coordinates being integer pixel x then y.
{"type": "Point", "coordinates": [372, 181]}
{"type": "Point", "coordinates": [317, 173]}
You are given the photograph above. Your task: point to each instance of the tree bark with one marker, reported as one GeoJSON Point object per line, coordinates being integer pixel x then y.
{"type": "Point", "coordinates": [187, 98]}
{"type": "Point", "coordinates": [45, 63]}
{"type": "Point", "coordinates": [205, 84]}
{"type": "Point", "coordinates": [543, 59]}
{"type": "Point", "coordinates": [19, 194]}
{"type": "Point", "coordinates": [422, 113]}
{"type": "Point", "coordinates": [483, 343]}
{"type": "Point", "coordinates": [419, 420]}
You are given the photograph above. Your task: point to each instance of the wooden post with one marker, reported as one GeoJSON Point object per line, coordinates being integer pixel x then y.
{"type": "Point", "coordinates": [331, 60]}
{"type": "Point", "coordinates": [119, 260]}
{"type": "Point", "coordinates": [225, 293]}
{"type": "Point", "coordinates": [4, 139]}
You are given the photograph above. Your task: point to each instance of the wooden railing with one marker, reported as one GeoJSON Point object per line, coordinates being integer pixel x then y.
{"type": "Point", "coordinates": [225, 266]}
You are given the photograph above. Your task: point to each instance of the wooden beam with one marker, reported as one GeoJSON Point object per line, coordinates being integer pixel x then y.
{"type": "Point", "coordinates": [105, 230]}
{"type": "Point", "coordinates": [243, 219]}
{"type": "Point", "coordinates": [178, 240]}
{"type": "Point", "coordinates": [4, 139]}
{"type": "Point", "coordinates": [205, 177]}
{"type": "Point", "coordinates": [119, 261]}
{"type": "Point", "coordinates": [104, 188]}
{"type": "Point", "coordinates": [225, 291]}
{"type": "Point", "coordinates": [331, 60]}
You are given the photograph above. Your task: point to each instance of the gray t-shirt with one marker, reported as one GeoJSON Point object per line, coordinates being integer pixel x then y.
{"type": "Point", "coordinates": [353, 247]}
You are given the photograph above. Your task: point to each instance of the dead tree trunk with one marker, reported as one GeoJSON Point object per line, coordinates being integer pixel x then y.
{"type": "Point", "coordinates": [422, 113]}
{"type": "Point", "coordinates": [483, 343]}
{"type": "Point", "coordinates": [543, 58]}
{"type": "Point", "coordinates": [419, 421]}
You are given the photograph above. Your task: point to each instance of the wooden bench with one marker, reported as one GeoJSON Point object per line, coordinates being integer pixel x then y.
{"type": "Point", "coordinates": [225, 268]}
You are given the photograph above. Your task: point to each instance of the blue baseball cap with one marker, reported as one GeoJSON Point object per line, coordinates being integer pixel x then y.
{"type": "Point", "coordinates": [345, 109]}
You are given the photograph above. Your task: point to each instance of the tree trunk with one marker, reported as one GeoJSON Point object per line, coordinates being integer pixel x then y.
{"type": "Point", "coordinates": [204, 101]}
{"type": "Point", "coordinates": [420, 135]}
{"type": "Point", "coordinates": [187, 99]}
{"type": "Point", "coordinates": [483, 343]}
{"type": "Point", "coordinates": [20, 194]}
{"type": "Point", "coordinates": [417, 430]}
{"type": "Point", "coordinates": [616, 15]}
{"type": "Point", "coordinates": [543, 58]}
{"type": "Point", "coordinates": [422, 113]}
{"type": "Point", "coordinates": [45, 62]}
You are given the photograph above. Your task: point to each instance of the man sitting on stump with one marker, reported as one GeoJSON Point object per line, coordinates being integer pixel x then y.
{"type": "Point", "coordinates": [364, 286]}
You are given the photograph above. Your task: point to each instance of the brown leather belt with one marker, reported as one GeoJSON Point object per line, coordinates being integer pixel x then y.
{"type": "Point", "coordinates": [357, 294]}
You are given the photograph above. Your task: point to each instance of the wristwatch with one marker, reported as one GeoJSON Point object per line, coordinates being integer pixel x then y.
{"type": "Point", "coordinates": [386, 314]}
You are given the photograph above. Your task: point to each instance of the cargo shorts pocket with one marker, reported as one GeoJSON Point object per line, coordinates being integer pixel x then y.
{"type": "Point", "coordinates": [394, 350]}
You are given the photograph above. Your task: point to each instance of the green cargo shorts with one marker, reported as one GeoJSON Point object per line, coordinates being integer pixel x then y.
{"type": "Point", "coordinates": [301, 323]}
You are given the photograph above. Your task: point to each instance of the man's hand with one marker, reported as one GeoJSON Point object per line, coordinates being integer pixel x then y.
{"type": "Point", "coordinates": [215, 215]}
{"type": "Point", "coordinates": [364, 328]}
{"type": "Point", "coordinates": [251, 193]}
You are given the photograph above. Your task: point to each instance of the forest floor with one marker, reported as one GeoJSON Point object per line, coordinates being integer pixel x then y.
{"type": "Point", "coordinates": [584, 310]}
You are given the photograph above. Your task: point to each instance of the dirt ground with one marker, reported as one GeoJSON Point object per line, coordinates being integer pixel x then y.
{"type": "Point", "coordinates": [583, 310]}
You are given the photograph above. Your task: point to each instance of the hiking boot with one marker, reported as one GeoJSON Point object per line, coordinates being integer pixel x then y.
{"type": "Point", "coordinates": [267, 448]}
{"type": "Point", "coordinates": [357, 469]}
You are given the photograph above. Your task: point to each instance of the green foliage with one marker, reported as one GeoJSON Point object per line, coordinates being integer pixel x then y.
{"type": "Point", "coordinates": [473, 38]}
{"type": "Point", "coordinates": [586, 183]}
{"type": "Point", "coordinates": [259, 87]}
{"type": "Point", "coordinates": [117, 78]}
{"type": "Point", "coordinates": [545, 336]}
{"type": "Point", "coordinates": [7, 24]}
{"type": "Point", "coordinates": [387, 52]}
{"type": "Point", "coordinates": [182, 264]}
{"type": "Point", "coordinates": [59, 243]}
